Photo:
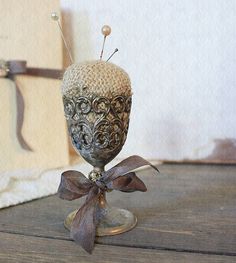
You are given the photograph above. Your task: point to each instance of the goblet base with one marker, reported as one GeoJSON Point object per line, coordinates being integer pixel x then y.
{"type": "Point", "coordinates": [114, 221]}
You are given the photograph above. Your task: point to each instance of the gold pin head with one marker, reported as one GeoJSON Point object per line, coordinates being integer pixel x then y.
{"type": "Point", "coordinates": [106, 30]}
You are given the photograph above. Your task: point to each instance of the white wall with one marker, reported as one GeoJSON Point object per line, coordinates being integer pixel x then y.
{"type": "Point", "coordinates": [181, 59]}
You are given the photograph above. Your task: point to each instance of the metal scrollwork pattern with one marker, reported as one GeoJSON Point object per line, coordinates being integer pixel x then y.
{"type": "Point", "coordinates": [97, 123]}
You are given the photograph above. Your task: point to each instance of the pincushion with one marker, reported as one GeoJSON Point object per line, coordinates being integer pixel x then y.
{"type": "Point", "coordinates": [96, 77]}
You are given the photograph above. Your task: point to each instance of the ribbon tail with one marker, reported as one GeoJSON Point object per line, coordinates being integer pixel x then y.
{"type": "Point", "coordinates": [127, 183]}
{"type": "Point", "coordinates": [20, 106]}
{"type": "Point", "coordinates": [83, 228]}
{"type": "Point", "coordinates": [126, 166]}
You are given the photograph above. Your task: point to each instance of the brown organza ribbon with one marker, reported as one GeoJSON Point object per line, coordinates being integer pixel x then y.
{"type": "Point", "coordinates": [75, 185]}
{"type": "Point", "coordinates": [15, 67]}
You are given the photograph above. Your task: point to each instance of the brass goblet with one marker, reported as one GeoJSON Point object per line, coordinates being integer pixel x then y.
{"type": "Point", "coordinates": [97, 103]}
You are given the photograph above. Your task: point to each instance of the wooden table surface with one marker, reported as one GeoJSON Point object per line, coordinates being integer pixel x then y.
{"type": "Point", "coordinates": [187, 215]}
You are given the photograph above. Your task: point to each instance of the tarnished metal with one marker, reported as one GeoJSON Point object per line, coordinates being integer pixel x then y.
{"type": "Point", "coordinates": [113, 220]}
{"type": "Point", "coordinates": [98, 126]}
{"type": "Point", "coordinates": [4, 68]}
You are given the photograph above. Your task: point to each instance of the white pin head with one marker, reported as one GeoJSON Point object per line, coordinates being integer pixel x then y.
{"type": "Point", "coordinates": [54, 16]}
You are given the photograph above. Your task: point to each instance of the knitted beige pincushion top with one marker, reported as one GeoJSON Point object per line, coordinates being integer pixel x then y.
{"type": "Point", "coordinates": [96, 77]}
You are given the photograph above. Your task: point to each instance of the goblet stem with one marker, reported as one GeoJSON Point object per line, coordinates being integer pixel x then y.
{"type": "Point", "coordinates": [103, 201]}
{"type": "Point", "coordinates": [112, 220]}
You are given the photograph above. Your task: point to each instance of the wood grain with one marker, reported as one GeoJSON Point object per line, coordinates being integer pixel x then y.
{"type": "Point", "coordinates": [18, 248]}
{"type": "Point", "coordinates": [188, 208]}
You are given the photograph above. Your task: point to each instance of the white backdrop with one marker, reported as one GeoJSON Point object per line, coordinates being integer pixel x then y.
{"type": "Point", "coordinates": [181, 59]}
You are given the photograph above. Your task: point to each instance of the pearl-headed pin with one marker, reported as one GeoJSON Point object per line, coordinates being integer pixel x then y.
{"type": "Point", "coordinates": [106, 31]}
{"type": "Point", "coordinates": [55, 17]}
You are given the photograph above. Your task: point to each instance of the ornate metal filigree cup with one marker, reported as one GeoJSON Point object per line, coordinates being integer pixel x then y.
{"type": "Point", "coordinates": [97, 103]}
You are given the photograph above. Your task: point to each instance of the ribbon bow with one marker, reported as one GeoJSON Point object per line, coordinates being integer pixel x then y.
{"type": "Point", "coordinates": [9, 69]}
{"type": "Point", "coordinates": [75, 185]}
